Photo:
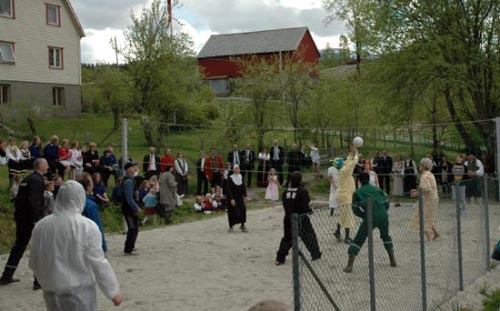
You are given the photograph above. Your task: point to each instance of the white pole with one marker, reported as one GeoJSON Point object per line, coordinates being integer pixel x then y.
{"type": "Point", "coordinates": [124, 144]}
{"type": "Point", "coordinates": [497, 121]}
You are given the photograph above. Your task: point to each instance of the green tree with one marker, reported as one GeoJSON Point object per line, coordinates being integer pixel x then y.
{"type": "Point", "coordinates": [160, 69]}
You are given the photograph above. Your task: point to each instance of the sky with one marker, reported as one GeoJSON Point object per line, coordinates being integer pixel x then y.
{"type": "Point", "coordinates": [200, 19]}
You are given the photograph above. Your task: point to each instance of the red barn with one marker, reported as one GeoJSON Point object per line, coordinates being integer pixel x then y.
{"type": "Point", "coordinates": [216, 58]}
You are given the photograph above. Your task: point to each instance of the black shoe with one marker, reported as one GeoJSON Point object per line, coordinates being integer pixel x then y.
{"type": "Point", "coordinates": [279, 263]}
{"type": "Point", "coordinates": [36, 286]}
{"type": "Point", "coordinates": [8, 281]}
{"type": "Point", "coordinates": [337, 236]}
{"type": "Point", "coordinates": [316, 257]}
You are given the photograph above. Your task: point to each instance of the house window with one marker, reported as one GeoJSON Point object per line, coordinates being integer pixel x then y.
{"type": "Point", "coordinates": [7, 8]}
{"type": "Point", "coordinates": [7, 53]}
{"type": "Point", "coordinates": [55, 58]}
{"type": "Point", "coordinates": [53, 15]}
{"type": "Point", "coordinates": [4, 94]}
{"type": "Point", "coordinates": [58, 96]}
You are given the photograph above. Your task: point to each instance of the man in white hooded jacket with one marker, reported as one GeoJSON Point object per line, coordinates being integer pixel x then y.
{"type": "Point", "coordinates": [67, 257]}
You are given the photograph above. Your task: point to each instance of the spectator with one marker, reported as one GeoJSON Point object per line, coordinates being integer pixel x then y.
{"type": "Point", "coordinates": [91, 159]}
{"type": "Point", "coordinates": [168, 195]}
{"type": "Point", "coordinates": [385, 169]}
{"type": "Point", "coordinates": [410, 175]}
{"type": "Point", "coordinates": [201, 177]}
{"type": "Point", "coordinates": [475, 170]}
{"type": "Point", "coordinates": [272, 192]}
{"type": "Point", "coordinates": [214, 168]}
{"type": "Point", "coordinates": [207, 207]}
{"type": "Point", "coordinates": [277, 156]}
{"type": "Point", "coordinates": [3, 153]}
{"type": "Point", "coordinates": [108, 166]}
{"type": "Point", "coordinates": [36, 148]}
{"type": "Point", "coordinates": [25, 160]}
{"type": "Point", "coordinates": [234, 156]}
{"type": "Point", "coordinates": [263, 168]}
{"type": "Point", "coordinates": [375, 161]}
{"type": "Point", "coordinates": [446, 176]}
{"type": "Point", "coordinates": [29, 210]}
{"type": "Point", "coordinates": [129, 207]}
{"type": "Point", "coordinates": [151, 164]}
{"type": "Point", "coordinates": [99, 190]}
{"type": "Point", "coordinates": [76, 160]}
{"type": "Point", "coordinates": [218, 202]}
{"type": "Point", "coordinates": [51, 154]}
{"type": "Point", "coordinates": [48, 197]}
{"type": "Point", "coordinates": [397, 175]}
{"type": "Point", "coordinates": [166, 159]}
{"type": "Point", "coordinates": [459, 171]}
{"type": "Point", "coordinates": [150, 203]}
{"type": "Point", "coordinates": [316, 160]}
{"type": "Point", "coordinates": [68, 244]}
{"type": "Point", "coordinates": [247, 164]}
{"type": "Point", "coordinates": [90, 209]}
{"type": "Point", "coordinates": [13, 155]}
{"type": "Point", "coordinates": [294, 160]}
{"type": "Point", "coordinates": [181, 170]}
{"type": "Point", "coordinates": [198, 203]}
{"type": "Point", "coordinates": [64, 156]}
{"type": "Point", "coordinates": [373, 176]}
{"type": "Point", "coordinates": [15, 187]}
{"type": "Point", "coordinates": [57, 183]}
{"type": "Point", "coordinates": [116, 195]}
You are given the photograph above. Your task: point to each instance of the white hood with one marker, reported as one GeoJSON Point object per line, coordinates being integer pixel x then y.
{"type": "Point", "coordinates": [70, 198]}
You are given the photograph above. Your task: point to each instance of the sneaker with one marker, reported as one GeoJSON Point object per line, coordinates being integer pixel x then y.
{"type": "Point", "coordinates": [348, 241]}
{"type": "Point", "coordinates": [8, 281]}
{"type": "Point", "coordinates": [36, 286]}
{"type": "Point", "coordinates": [132, 253]}
{"type": "Point", "coordinates": [243, 229]}
{"type": "Point", "coordinates": [279, 263]}
{"type": "Point", "coordinates": [316, 257]}
{"type": "Point", "coordinates": [337, 236]}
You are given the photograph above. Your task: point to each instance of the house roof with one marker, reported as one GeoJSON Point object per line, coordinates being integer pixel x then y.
{"type": "Point", "coordinates": [257, 42]}
{"type": "Point", "coordinates": [74, 18]}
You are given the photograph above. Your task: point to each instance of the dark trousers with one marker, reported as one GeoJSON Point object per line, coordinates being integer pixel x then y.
{"type": "Point", "coordinates": [380, 222]}
{"type": "Point", "coordinates": [132, 232]}
{"type": "Point", "coordinates": [278, 166]}
{"type": "Point", "coordinates": [216, 179]}
{"type": "Point", "coordinates": [56, 167]}
{"type": "Point", "coordinates": [306, 233]}
{"type": "Point", "coordinates": [23, 235]}
{"type": "Point", "coordinates": [247, 171]}
{"type": "Point", "coordinates": [149, 174]}
{"type": "Point", "coordinates": [384, 181]}
{"type": "Point", "coordinates": [202, 180]}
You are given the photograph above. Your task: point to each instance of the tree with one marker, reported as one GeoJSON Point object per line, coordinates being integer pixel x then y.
{"type": "Point", "coordinates": [160, 69]}
{"type": "Point", "coordinates": [260, 83]}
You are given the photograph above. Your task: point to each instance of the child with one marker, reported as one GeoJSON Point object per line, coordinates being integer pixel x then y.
{"type": "Point", "coordinates": [116, 195]}
{"type": "Point", "coordinates": [198, 204]}
{"type": "Point", "coordinates": [15, 187]}
{"type": "Point", "coordinates": [57, 179]}
{"type": "Point", "coordinates": [99, 191]}
{"type": "Point", "coordinates": [207, 204]}
{"type": "Point", "coordinates": [143, 190]}
{"type": "Point", "coordinates": [48, 197]}
{"type": "Point", "coordinates": [217, 203]}
{"type": "Point", "coordinates": [272, 187]}
{"type": "Point", "coordinates": [150, 205]}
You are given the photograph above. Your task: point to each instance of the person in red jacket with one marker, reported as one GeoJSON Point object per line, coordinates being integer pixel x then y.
{"type": "Point", "coordinates": [214, 168]}
{"type": "Point", "coordinates": [166, 159]}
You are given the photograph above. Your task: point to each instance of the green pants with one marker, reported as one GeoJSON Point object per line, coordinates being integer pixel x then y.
{"type": "Point", "coordinates": [379, 221]}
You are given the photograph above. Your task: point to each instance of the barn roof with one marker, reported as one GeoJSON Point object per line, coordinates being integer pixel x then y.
{"type": "Point", "coordinates": [257, 42]}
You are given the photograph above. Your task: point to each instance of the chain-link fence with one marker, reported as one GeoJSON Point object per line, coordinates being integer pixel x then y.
{"type": "Point", "coordinates": [439, 249]}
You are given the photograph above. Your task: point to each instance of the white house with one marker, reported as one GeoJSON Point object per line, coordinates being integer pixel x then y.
{"type": "Point", "coordinates": [40, 67]}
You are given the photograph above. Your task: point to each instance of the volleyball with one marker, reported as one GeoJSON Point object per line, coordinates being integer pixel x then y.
{"type": "Point", "coordinates": [357, 142]}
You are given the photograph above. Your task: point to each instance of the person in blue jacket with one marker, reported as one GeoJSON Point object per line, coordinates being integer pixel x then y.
{"type": "Point", "coordinates": [90, 209]}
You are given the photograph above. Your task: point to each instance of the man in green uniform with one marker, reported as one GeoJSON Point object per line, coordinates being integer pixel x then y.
{"type": "Point", "coordinates": [380, 205]}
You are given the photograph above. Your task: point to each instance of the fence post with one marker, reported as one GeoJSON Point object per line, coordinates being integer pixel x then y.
{"type": "Point", "coordinates": [295, 262]}
{"type": "Point", "coordinates": [371, 264]}
{"type": "Point", "coordinates": [422, 250]}
{"type": "Point", "coordinates": [459, 237]}
{"type": "Point", "coordinates": [486, 211]}
{"type": "Point", "coordinates": [124, 144]}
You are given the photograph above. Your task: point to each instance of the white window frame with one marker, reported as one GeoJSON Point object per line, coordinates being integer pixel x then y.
{"type": "Point", "coordinates": [56, 96]}
{"type": "Point", "coordinates": [58, 14]}
{"type": "Point", "coordinates": [5, 91]}
{"type": "Point", "coordinates": [7, 45]}
{"type": "Point", "coordinates": [12, 8]}
{"type": "Point", "coordinates": [53, 57]}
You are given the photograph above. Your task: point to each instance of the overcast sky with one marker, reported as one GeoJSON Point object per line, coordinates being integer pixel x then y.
{"type": "Point", "coordinates": [200, 19]}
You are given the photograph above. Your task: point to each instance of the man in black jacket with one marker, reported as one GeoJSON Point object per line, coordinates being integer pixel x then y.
{"type": "Point", "coordinates": [151, 164]}
{"type": "Point", "coordinates": [247, 164]}
{"type": "Point", "coordinates": [202, 177]}
{"type": "Point", "coordinates": [294, 160]}
{"type": "Point", "coordinates": [30, 207]}
{"type": "Point", "coordinates": [277, 155]}
{"type": "Point", "coordinates": [385, 169]}
{"type": "Point", "coordinates": [234, 156]}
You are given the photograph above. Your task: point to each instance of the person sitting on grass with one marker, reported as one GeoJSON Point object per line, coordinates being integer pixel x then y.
{"type": "Point", "coordinates": [379, 206]}
{"type": "Point", "coordinates": [218, 203]}
{"type": "Point", "coordinates": [150, 201]}
{"type": "Point", "coordinates": [198, 204]}
{"type": "Point", "coordinates": [207, 204]}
